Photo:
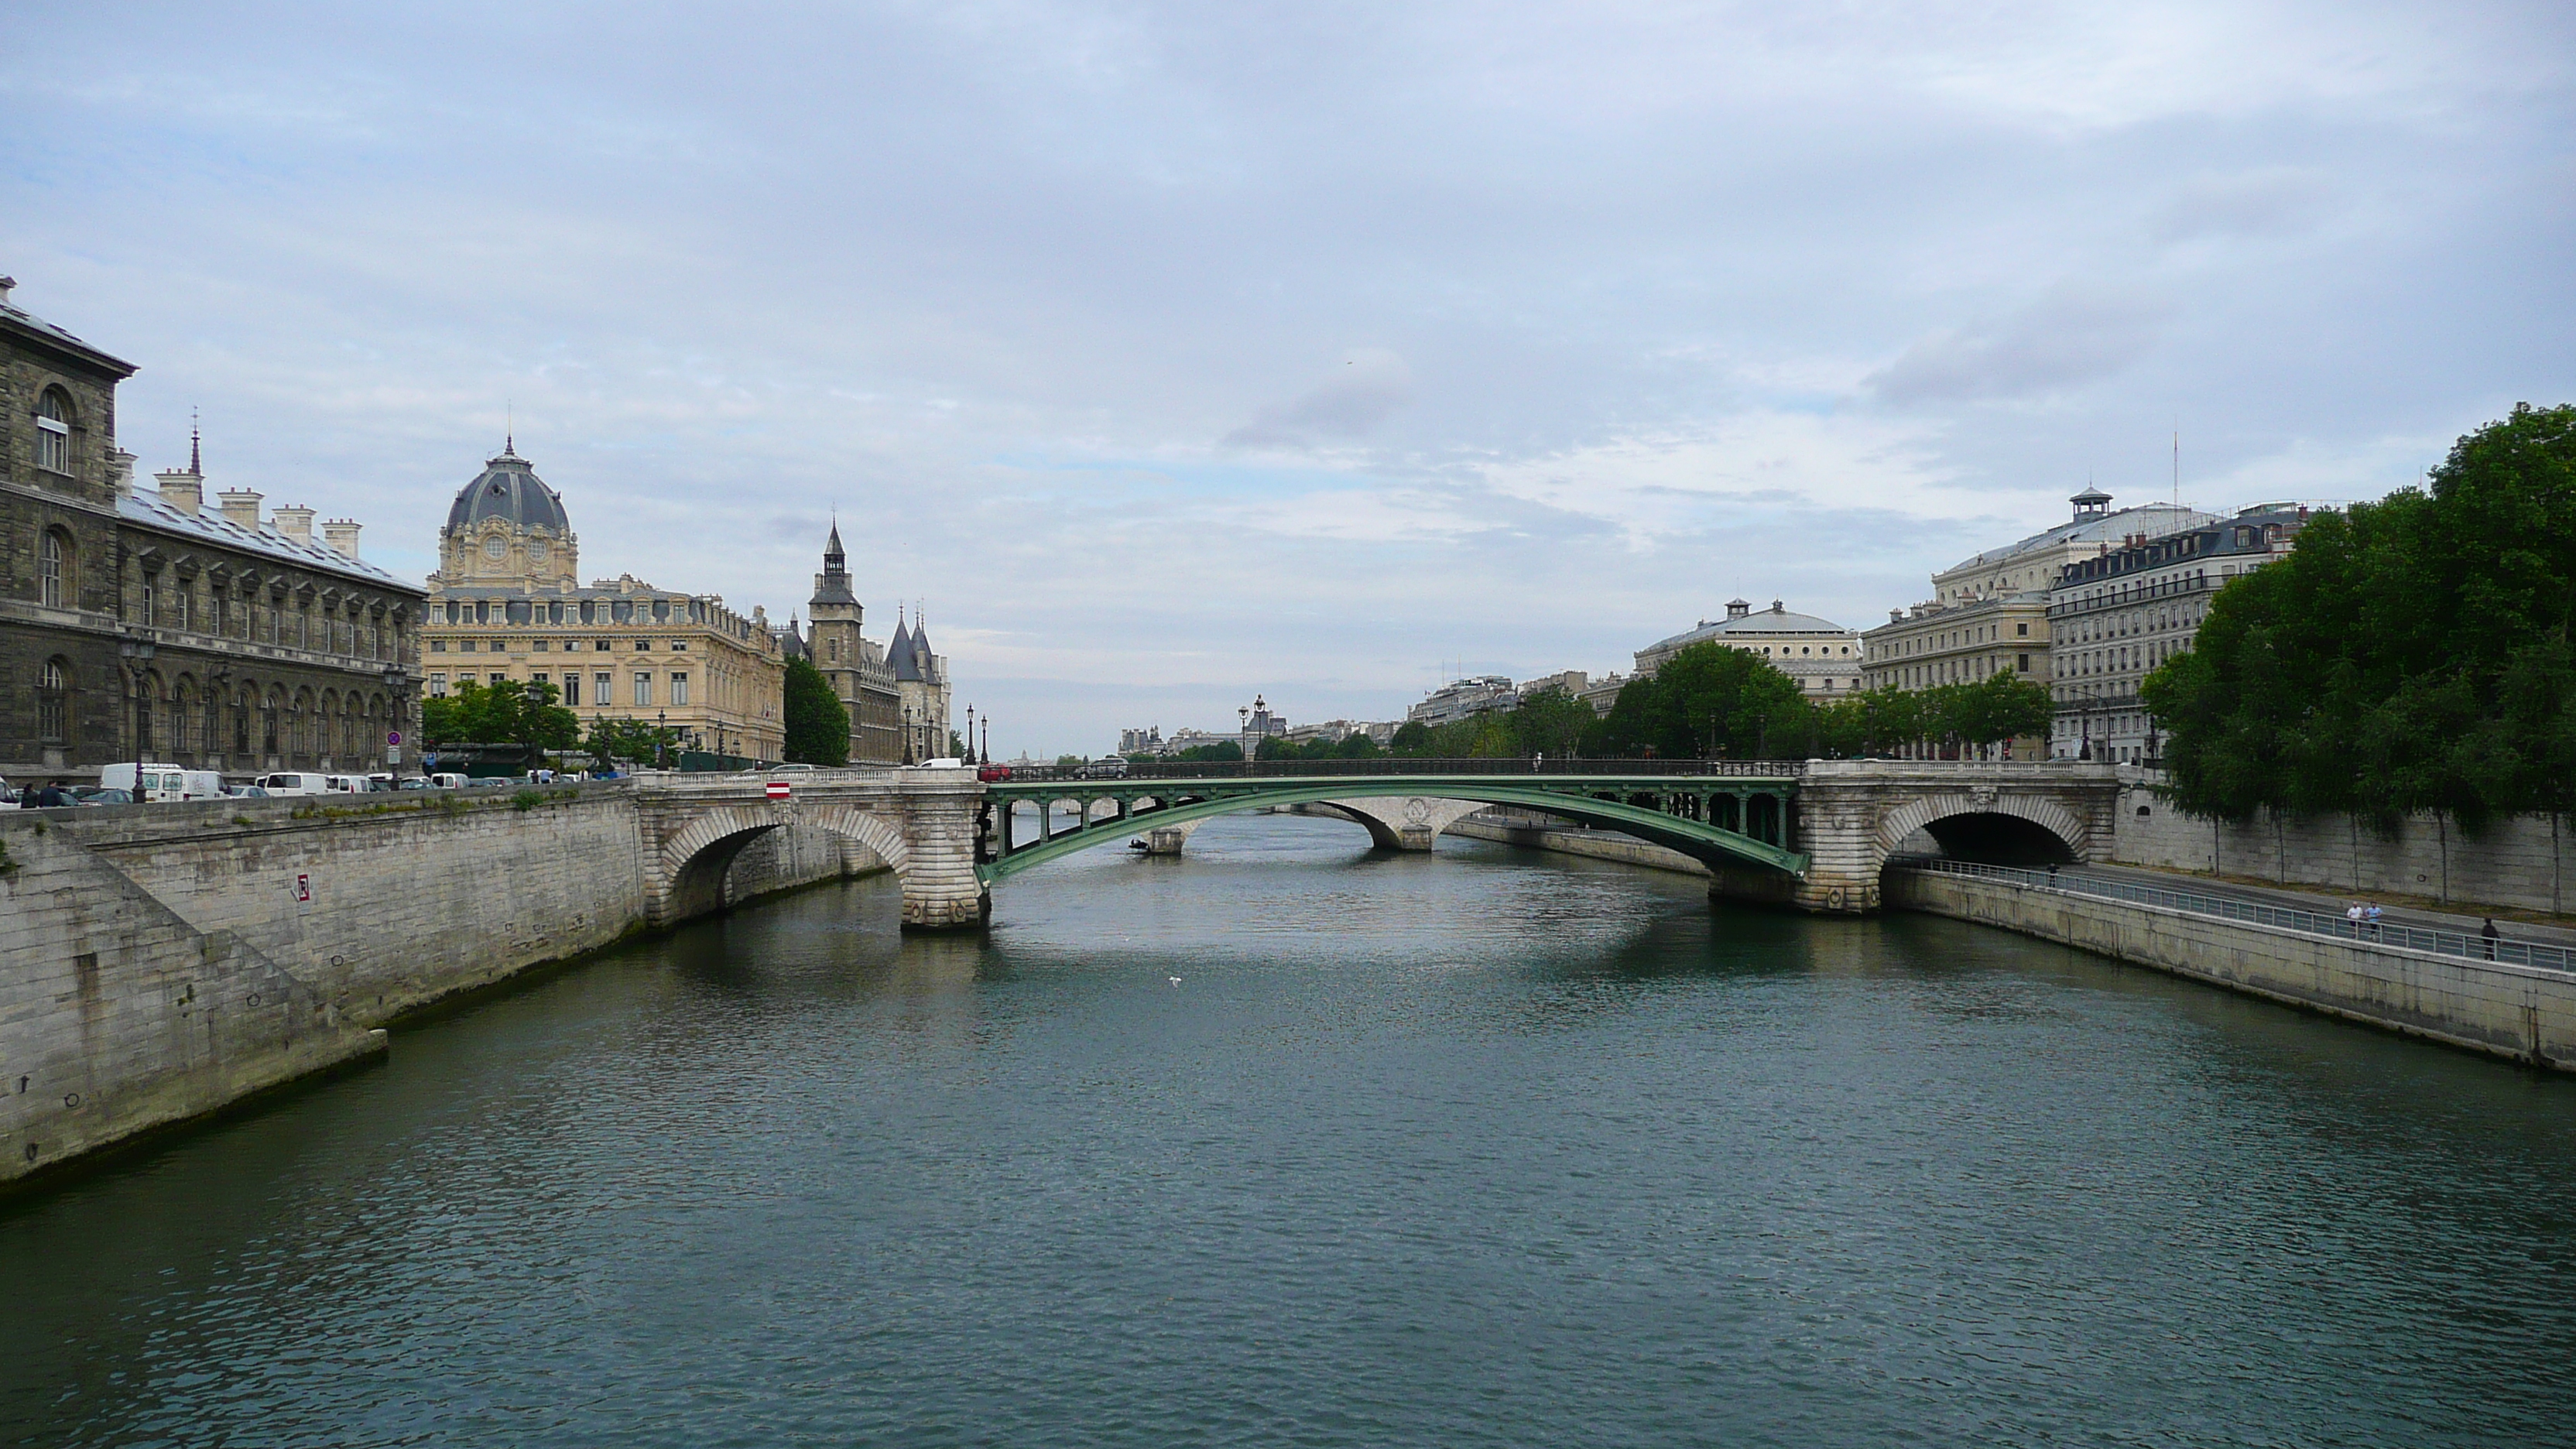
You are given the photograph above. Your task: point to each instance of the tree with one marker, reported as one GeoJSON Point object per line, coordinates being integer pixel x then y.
{"type": "Point", "coordinates": [2001, 706]}
{"type": "Point", "coordinates": [818, 724]}
{"type": "Point", "coordinates": [634, 741]}
{"type": "Point", "coordinates": [1550, 722]}
{"type": "Point", "coordinates": [1708, 702]}
{"type": "Point", "coordinates": [2408, 655]}
{"type": "Point", "coordinates": [1412, 737]}
{"type": "Point", "coordinates": [509, 712]}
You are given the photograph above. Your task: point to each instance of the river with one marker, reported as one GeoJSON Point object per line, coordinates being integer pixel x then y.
{"type": "Point", "coordinates": [1290, 1143]}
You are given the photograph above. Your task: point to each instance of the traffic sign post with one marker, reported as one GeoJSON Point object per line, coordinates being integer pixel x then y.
{"type": "Point", "coordinates": [779, 789]}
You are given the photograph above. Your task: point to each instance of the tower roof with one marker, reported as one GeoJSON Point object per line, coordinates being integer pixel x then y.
{"type": "Point", "coordinates": [510, 490]}
{"type": "Point", "coordinates": [901, 658]}
{"type": "Point", "coordinates": [832, 585]}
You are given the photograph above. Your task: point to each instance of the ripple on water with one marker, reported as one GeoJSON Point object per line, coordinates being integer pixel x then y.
{"type": "Point", "coordinates": [1483, 1148]}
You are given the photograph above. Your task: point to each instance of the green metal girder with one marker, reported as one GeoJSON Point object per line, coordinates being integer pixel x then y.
{"type": "Point", "coordinates": [1571, 797]}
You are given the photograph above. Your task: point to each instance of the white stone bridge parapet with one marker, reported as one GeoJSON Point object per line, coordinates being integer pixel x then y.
{"type": "Point", "coordinates": [917, 823]}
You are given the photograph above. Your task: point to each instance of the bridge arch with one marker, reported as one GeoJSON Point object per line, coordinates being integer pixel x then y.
{"type": "Point", "coordinates": [694, 860]}
{"type": "Point", "coordinates": [1602, 804]}
{"type": "Point", "coordinates": [2034, 826]}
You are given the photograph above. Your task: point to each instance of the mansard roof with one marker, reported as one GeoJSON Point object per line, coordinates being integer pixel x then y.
{"type": "Point", "coordinates": [510, 490]}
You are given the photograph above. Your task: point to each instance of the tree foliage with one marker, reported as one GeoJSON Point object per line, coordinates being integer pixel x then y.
{"type": "Point", "coordinates": [1707, 702]}
{"type": "Point", "coordinates": [510, 712]}
{"type": "Point", "coordinates": [633, 741]}
{"type": "Point", "coordinates": [2408, 655]}
{"type": "Point", "coordinates": [1349, 747]}
{"type": "Point", "coordinates": [818, 724]}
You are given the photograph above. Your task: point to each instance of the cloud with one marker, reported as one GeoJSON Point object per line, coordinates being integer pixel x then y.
{"type": "Point", "coordinates": [1369, 386]}
{"type": "Point", "coordinates": [2071, 336]}
{"type": "Point", "coordinates": [2274, 201]}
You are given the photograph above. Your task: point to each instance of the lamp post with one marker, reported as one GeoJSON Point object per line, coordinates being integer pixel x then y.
{"type": "Point", "coordinates": [136, 655]}
{"type": "Point", "coordinates": [402, 682]}
{"type": "Point", "coordinates": [970, 735]}
{"type": "Point", "coordinates": [661, 726]}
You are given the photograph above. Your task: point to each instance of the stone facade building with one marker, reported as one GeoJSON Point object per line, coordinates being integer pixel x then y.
{"type": "Point", "coordinates": [507, 603]}
{"type": "Point", "coordinates": [141, 625]}
{"type": "Point", "coordinates": [1990, 614]}
{"type": "Point", "coordinates": [852, 664]}
{"type": "Point", "coordinates": [1823, 656]}
{"type": "Point", "coordinates": [2118, 615]}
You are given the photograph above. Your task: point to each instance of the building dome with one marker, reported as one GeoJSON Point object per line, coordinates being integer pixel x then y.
{"type": "Point", "coordinates": [509, 490]}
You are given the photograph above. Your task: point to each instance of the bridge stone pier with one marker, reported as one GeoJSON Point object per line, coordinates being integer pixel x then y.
{"type": "Point", "coordinates": [1853, 814]}
{"type": "Point", "coordinates": [920, 824]}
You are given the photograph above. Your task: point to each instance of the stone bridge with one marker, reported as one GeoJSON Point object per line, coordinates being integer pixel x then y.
{"type": "Point", "coordinates": [917, 823]}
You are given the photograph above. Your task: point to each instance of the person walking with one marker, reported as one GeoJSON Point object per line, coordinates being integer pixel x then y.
{"type": "Point", "coordinates": [2370, 916]}
{"type": "Point", "coordinates": [2487, 938]}
{"type": "Point", "coordinates": [52, 797]}
{"type": "Point", "coordinates": [2352, 913]}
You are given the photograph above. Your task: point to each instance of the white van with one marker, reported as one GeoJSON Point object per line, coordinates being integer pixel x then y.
{"type": "Point", "coordinates": [446, 782]}
{"type": "Point", "coordinates": [294, 782]}
{"type": "Point", "coordinates": [345, 784]}
{"type": "Point", "coordinates": [162, 782]}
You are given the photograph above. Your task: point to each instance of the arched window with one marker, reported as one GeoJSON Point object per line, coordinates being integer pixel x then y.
{"type": "Point", "coordinates": [54, 431]}
{"type": "Point", "coordinates": [268, 721]}
{"type": "Point", "coordinates": [53, 702]}
{"type": "Point", "coordinates": [241, 721]}
{"type": "Point", "coordinates": [54, 568]}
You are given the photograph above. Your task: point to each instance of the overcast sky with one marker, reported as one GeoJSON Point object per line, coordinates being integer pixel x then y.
{"type": "Point", "coordinates": [1175, 352]}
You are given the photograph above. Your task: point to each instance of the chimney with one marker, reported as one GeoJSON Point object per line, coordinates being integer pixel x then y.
{"type": "Point", "coordinates": [342, 535]}
{"type": "Point", "coordinates": [296, 523]}
{"type": "Point", "coordinates": [241, 506]}
{"type": "Point", "coordinates": [120, 471]}
{"type": "Point", "coordinates": [5, 284]}
{"type": "Point", "coordinates": [182, 490]}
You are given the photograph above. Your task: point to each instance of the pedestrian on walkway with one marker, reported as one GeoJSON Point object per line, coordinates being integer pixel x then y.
{"type": "Point", "coordinates": [2370, 916]}
{"type": "Point", "coordinates": [2352, 913]}
{"type": "Point", "coordinates": [2488, 936]}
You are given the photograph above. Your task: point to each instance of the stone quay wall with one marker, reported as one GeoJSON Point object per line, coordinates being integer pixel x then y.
{"type": "Point", "coordinates": [2519, 1012]}
{"type": "Point", "coordinates": [160, 962]}
{"type": "Point", "coordinates": [2524, 862]}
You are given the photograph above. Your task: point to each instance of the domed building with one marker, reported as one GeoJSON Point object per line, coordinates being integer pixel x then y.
{"type": "Point", "coordinates": [507, 603]}
{"type": "Point", "coordinates": [1823, 656]}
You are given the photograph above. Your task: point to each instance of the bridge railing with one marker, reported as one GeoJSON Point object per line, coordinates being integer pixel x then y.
{"type": "Point", "coordinates": [1296, 769]}
{"type": "Point", "coordinates": [2313, 923]}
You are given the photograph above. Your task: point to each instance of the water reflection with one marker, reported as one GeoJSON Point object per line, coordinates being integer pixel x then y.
{"type": "Point", "coordinates": [1481, 1148]}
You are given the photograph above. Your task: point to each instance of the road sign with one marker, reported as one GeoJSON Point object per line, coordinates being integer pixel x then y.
{"type": "Point", "coordinates": [778, 789]}
{"type": "Point", "coordinates": [393, 737]}
{"type": "Point", "coordinates": [303, 889]}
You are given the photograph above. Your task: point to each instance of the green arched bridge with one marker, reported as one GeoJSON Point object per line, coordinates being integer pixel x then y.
{"type": "Point", "coordinates": [1735, 819]}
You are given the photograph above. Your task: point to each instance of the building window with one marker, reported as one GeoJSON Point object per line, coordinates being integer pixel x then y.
{"type": "Point", "coordinates": [602, 688]}
{"type": "Point", "coordinates": [545, 646]}
{"type": "Point", "coordinates": [54, 432]}
{"type": "Point", "coordinates": [680, 646]}
{"type": "Point", "coordinates": [465, 646]}
{"type": "Point", "coordinates": [599, 646]}
{"type": "Point", "coordinates": [679, 689]}
{"type": "Point", "coordinates": [572, 689]}
{"type": "Point", "coordinates": [643, 689]}
{"type": "Point", "coordinates": [498, 678]}
{"type": "Point", "coordinates": [151, 598]}
{"type": "Point", "coordinates": [56, 588]}
{"type": "Point", "coordinates": [438, 684]}
{"type": "Point", "coordinates": [53, 702]}
{"type": "Point", "coordinates": [641, 645]}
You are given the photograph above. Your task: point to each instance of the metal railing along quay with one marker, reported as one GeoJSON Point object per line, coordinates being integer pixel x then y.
{"type": "Point", "coordinates": [2313, 923]}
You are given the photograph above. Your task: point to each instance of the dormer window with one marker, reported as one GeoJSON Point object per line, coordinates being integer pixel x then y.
{"type": "Point", "coordinates": [54, 432]}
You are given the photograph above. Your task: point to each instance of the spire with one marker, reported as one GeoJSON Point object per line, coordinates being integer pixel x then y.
{"type": "Point", "coordinates": [193, 465]}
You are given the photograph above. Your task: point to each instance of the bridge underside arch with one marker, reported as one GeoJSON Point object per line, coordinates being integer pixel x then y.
{"type": "Point", "coordinates": [696, 863]}
{"type": "Point", "coordinates": [1697, 839]}
{"type": "Point", "coordinates": [2000, 829]}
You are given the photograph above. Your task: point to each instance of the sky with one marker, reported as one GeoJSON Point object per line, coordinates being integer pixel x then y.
{"type": "Point", "coordinates": [1167, 354]}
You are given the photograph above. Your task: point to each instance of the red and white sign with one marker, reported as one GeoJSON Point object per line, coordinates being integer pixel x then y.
{"type": "Point", "coordinates": [778, 789]}
{"type": "Point", "coordinates": [303, 889]}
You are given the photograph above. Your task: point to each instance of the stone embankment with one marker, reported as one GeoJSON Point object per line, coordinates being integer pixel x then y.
{"type": "Point", "coordinates": [2521, 1012]}
{"type": "Point", "coordinates": [161, 962]}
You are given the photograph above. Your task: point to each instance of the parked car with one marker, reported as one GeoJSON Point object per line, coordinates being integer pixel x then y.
{"type": "Point", "coordinates": [993, 774]}
{"type": "Point", "coordinates": [162, 782]}
{"type": "Point", "coordinates": [295, 782]}
{"type": "Point", "coordinates": [1107, 767]}
{"type": "Point", "coordinates": [100, 795]}
{"type": "Point", "coordinates": [247, 792]}
{"type": "Point", "coordinates": [413, 782]}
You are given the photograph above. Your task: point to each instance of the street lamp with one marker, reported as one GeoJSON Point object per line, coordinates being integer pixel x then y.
{"type": "Point", "coordinates": [137, 657]}
{"type": "Point", "coordinates": [970, 735]}
{"type": "Point", "coordinates": [661, 726]}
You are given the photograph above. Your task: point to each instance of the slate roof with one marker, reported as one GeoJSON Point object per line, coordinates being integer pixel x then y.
{"type": "Point", "coordinates": [1760, 622]}
{"type": "Point", "coordinates": [148, 509]}
{"type": "Point", "coordinates": [2152, 519]}
{"type": "Point", "coordinates": [509, 489]}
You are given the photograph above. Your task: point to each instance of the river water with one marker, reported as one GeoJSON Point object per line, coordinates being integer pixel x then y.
{"type": "Point", "coordinates": [1485, 1148]}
